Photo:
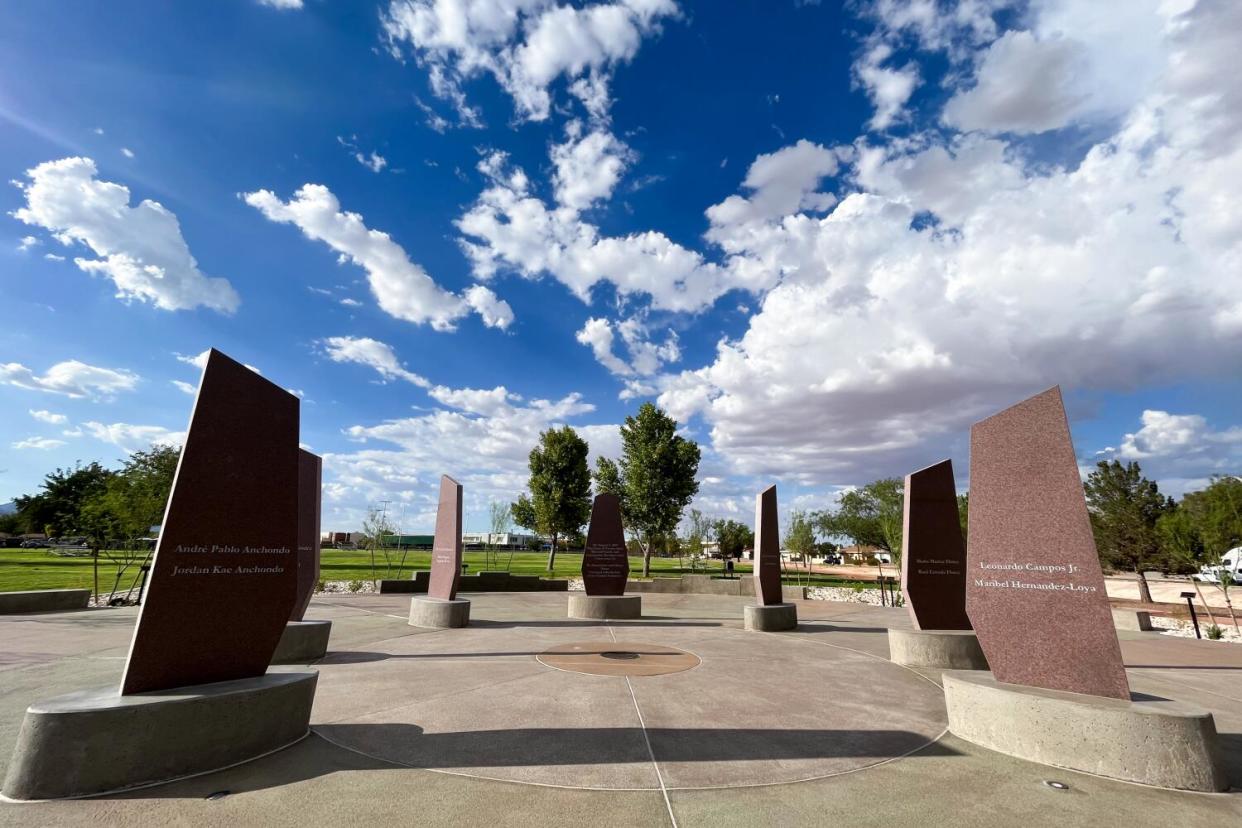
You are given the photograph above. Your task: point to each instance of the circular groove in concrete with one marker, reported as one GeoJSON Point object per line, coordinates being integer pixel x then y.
{"type": "Point", "coordinates": [618, 658]}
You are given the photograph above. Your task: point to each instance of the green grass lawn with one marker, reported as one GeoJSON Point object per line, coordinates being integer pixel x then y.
{"type": "Point", "coordinates": [22, 569]}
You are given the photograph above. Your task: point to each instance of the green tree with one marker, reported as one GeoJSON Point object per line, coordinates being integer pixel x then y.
{"type": "Point", "coordinates": [1216, 513]}
{"type": "Point", "coordinates": [734, 538]}
{"type": "Point", "coordinates": [1124, 508]}
{"type": "Point", "coordinates": [700, 532]}
{"type": "Point", "coordinates": [501, 519]}
{"type": "Point", "coordinates": [560, 487]}
{"type": "Point", "coordinates": [523, 513]}
{"type": "Point", "coordinates": [868, 516]}
{"type": "Point", "coordinates": [132, 501]}
{"type": "Point", "coordinates": [655, 477]}
{"type": "Point", "coordinates": [963, 511]}
{"type": "Point", "coordinates": [1179, 538]}
{"type": "Point", "coordinates": [800, 538]}
{"type": "Point", "coordinates": [57, 509]}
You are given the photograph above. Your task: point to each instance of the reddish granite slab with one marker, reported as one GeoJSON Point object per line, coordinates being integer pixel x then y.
{"type": "Point", "coordinates": [605, 563]}
{"type": "Point", "coordinates": [933, 556]}
{"type": "Point", "coordinates": [1034, 589]}
{"type": "Point", "coordinates": [446, 548]}
{"type": "Point", "coordinates": [224, 578]}
{"type": "Point", "coordinates": [767, 549]}
{"type": "Point", "coordinates": [310, 479]}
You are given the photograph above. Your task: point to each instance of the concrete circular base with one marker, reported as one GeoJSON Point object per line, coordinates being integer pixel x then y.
{"type": "Point", "coordinates": [604, 607]}
{"type": "Point", "coordinates": [437, 613]}
{"type": "Point", "coordinates": [1161, 743]}
{"type": "Point", "coordinates": [937, 649]}
{"type": "Point", "coordinates": [303, 642]}
{"type": "Point", "coordinates": [770, 618]}
{"type": "Point", "coordinates": [98, 741]}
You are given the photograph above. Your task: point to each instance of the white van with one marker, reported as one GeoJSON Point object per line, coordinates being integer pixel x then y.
{"type": "Point", "coordinates": [1228, 563]}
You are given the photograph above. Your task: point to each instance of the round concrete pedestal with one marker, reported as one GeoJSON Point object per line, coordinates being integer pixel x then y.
{"type": "Point", "coordinates": [770, 617]}
{"type": "Point", "coordinates": [437, 613]}
{"type": "Point", "coordinates": [605, 607]}
{"type": "Point", "coordinates": [1162, 743]}
{"type": "Point", "coordinates": [303, 642]}
{"type": "Point", "coordinates": [937, 649]}
{"type": "Point", "coordinates": [98, 741]}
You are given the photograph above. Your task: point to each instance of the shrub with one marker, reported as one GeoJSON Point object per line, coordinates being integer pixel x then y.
{"type": "Point", "coordinates": [859, 587]}
{"type": "Point", "coordinates": [319, 586]}
{"type": "Point", "coordinates": [355, 586]}
{"type": "Point", "coordinates": [1215, 633]}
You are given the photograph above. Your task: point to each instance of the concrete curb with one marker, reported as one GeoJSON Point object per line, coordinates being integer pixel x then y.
{"type": "Point", "coordinates": [98, 741]}
{"type": "Point", "coordinates": [604, 607]}
{"type": "Point", "coordinates": [303, 642]}
{"type": "Point", "coordinates": [43, 600]}
{"type": "Point", "coordinates": [937, 649]}
{"type": "Point", "coordinates": [770, 617]}
{"type": "Point", "coordinates": [1124, 619]}
{"type": "Point", "coordinates": [1162, 743]}
{"type": "Point", "coordinates": [438, 614]}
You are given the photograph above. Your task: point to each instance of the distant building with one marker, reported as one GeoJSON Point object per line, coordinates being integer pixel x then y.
{"type": "Point", "coordinates": [863, 553]}
{"type": "Point", "coordinates": [502, 540]}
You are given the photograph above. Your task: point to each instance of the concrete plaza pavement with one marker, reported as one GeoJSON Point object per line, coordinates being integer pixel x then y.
{"type": "Point", "coordinates": [470, 727]}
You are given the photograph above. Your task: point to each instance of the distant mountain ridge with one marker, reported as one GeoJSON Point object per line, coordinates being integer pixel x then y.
{"type": "Point", "coordinates": [8, 508]}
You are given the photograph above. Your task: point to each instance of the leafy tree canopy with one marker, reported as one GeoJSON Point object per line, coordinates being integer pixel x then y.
{"type": "Point", "coordinates": [868, 516]}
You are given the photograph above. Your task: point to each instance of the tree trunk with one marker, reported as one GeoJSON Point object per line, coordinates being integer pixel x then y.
{"type": "Point", "coordinates": [646, 556]}
{"type": "Point", "coordinates": [1144, 589]}
{"type": "Point", "coordinates": [552, 554]}
{"type": "Point", "coordinates": [95, 593]}
{"type": "Point", "coordinates": [1229, 603]}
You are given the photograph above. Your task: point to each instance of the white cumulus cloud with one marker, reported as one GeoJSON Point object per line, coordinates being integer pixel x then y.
{"type": "Point", "coordinates": [140, 248]}
{"type": "Point", "coordinates": [45, 416]}
{"type": "Point", "coordinates": [526, 45]}
{"type": "Point", "coordinates": [43, 443]}
{"type": "Point", "coordinates": [130, 438]}
{"type": "Point", "coordinates": [372, 353]}
{"type": "Point", "coordinates": [402, 287]}
{"type": "Point", "coordinates": [71, 378]}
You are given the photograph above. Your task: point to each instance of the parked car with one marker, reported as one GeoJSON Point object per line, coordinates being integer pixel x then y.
{"type": "Point", "coordinates": [35, 544]}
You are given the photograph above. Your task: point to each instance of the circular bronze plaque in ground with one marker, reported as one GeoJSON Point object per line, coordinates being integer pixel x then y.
{"type": "Point", "coordinates": [618, 658]}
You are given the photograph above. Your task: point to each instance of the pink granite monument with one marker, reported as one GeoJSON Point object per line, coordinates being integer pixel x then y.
{"type": "Point", "coordinates": [224, 578]}
{"type": "Point", "coordinates": [446, 548]}
{"type": "Point", "coordinates": [933, 556]}
{"type": "Point", "coordinates": [1034, 590]}
{"type": "Point", "coordinates": [605, 563]}
{"type": "Point", "coordinates": [310, 478]}
{"type": "Point", "coordinates": [767, 549]}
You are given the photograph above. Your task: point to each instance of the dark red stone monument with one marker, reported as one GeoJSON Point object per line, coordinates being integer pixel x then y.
{"type": "Point", "coordinates": [310, 480]}
{"type": "Point", "coordinates": [224, 577]}
{"type": "Point", "coordinates": [606, 562]}
{"type": "Point", "coordinates": [1034, 589]}
{"type": "Point", "coordinates": [933, 556]}
{"type": "Point", "coordinates": [446, 548]}
{"type": "Point", "coordinates": [767, 549]}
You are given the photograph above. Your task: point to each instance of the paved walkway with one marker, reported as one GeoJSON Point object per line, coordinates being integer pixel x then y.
{"type": "Point", "coordinates": [472, 727]}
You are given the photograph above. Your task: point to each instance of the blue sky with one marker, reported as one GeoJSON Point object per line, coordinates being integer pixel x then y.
{"type": "Point", "coordinates": [826, 241]}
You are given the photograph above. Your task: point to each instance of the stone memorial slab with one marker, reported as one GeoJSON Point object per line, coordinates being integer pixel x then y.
{"type": "Point", "coordinates": [224, 577]}
{"type": "Point", "coordinates": [310, 483]}
{"type": "Point", "coordinates": [1034, 589]}
{"type": "Point", "coordinates": [933, 556]}
{"type": "Point", "coordinates": [446, 548]}
{"type": "Point", "coordinates": [606, 562]}
{"type": "Point", "coordinates": [767, 549]}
